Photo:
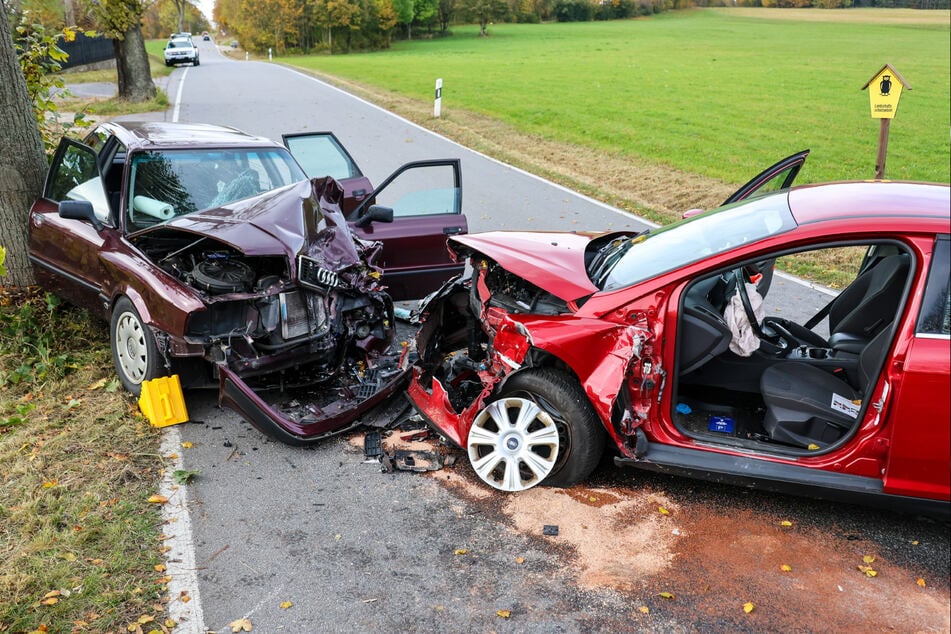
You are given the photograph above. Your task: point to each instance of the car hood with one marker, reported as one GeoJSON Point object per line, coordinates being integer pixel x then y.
{"type": "Point", "coordinates": [552, 261]}
{"type": "Point", "coordinates": [303, 218]}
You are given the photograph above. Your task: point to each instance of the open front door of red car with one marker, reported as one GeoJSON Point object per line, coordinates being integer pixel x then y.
{"type": "Point", "coordinates": [777, 176]}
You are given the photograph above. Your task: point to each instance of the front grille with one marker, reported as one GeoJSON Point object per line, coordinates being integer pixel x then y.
{"type": "Point", "coordinates": [313, 275]}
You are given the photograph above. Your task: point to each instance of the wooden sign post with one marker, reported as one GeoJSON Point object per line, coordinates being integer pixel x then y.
{"type": "Point", "coordinates": [884, 90]}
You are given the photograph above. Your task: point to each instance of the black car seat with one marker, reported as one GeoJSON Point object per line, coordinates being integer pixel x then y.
{"type": "Point", "coordinates": [800, 397]}
{"type": "Point", "coordinates": [860, 311]}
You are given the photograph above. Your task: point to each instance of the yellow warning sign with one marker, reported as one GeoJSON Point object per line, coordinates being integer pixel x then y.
{"type": "Point", "coordinates": [884, 90]}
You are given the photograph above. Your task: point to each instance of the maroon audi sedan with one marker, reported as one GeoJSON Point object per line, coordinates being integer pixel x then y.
{"type": "Point", "coordinates": [219, 256]}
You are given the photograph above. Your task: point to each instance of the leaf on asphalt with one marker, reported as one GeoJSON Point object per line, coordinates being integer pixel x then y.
{"type": "Point", "coordinates": [592, 498]}
{"type": "Point", "coordinates": [869, 572]}
{"type": "Point", "coordinates": [158, 499]}
{"type": "Point", "coordinates": [785, 523]}
{"type": "Point", "coordinates": [286, 604]}
{"type": "Point", "coordinates": [914, 543]}
{"type": "Point", "coordinates": [337, 537]}
{"type": "Point", "coordinates": [504, 613]}
{"type": "Point", "coordinates": [183, 596]}
{"type": "Point", "coordinates": [520, 560]}
{"type": "Point", "coordinates": [241, 625]}
{"type": "Point", "coordinates": [868, 559]}
{"type": "Point", "coordinates": [187, 444]}
{"type": "Point", "coordinates": [663, 511]}
{"type": "Point", "coordinates": [786, 568]}
{"type": "Point", "coordinates": [172, 456]}
{"type": "Point", "coordinates": [644, 609]}
{"type": "Point", "coordinates": [666, 595]}
{"type": "Point", "coordinates": [184, 476]}
{"type": "Point", "coordinates": [748, 607]}
{"type": "Point", "coordinates": [460, 551]}
{"type": "Point", "coordinates": [921, 582]}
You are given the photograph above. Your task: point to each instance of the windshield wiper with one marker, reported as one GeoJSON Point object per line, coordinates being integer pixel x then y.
{"type": "Point", "coordinates": [610, 254]}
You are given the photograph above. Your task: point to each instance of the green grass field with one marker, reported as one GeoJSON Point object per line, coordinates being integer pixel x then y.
{"type": "Point", "coordinates": [718, 93]}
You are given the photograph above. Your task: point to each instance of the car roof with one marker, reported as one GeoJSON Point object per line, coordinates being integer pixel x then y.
{"type": "Point", "coordinates": [164, 135]}
{"type": "Point", "coordinates": [870, 199]}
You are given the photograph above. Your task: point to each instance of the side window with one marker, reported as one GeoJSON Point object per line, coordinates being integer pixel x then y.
{"type": "Point", "coordinates": [935, 317]}
{"type": "Point", "coordinates": [423, 191]}
{"type": "Point", "coordinates": [75, 176]}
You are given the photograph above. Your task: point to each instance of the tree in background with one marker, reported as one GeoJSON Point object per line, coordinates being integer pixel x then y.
{"type": "Point", "coordinates": [22, 161]}
{"type": "Point", "coordinates": [483, 12]}
{"type": "Point", "coordinates": [121, 20]}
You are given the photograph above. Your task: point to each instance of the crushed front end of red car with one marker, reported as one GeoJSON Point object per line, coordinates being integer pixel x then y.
{"type": "Point", "coordinates": [485, 327]}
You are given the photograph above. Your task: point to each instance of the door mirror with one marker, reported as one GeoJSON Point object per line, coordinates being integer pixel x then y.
{"type": "Point", "coordinates": [375, 213]}
{"type": "Point", "coordinates": [79, 210]}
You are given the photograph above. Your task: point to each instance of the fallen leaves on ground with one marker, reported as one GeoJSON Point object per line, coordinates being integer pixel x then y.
{"type": "Point", "coordinates": [748, 607]}
{"type": "Point", "coordinates": [241, 625]}
{"type": "Point", "coordinates": [504, 613]}
{"type": "Point", "coordinates": [157, 499]}
{"type": "Point", "coordinates": [666, 595]}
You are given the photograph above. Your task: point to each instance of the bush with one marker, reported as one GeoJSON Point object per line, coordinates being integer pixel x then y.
{"type": "Point", "coordinates": [572, 11]}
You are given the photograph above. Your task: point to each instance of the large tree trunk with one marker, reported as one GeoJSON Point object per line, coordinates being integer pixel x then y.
{"type": "Point", "coordinates": [132, 67]}
{"type": "Point", "coordinates": [22, 161]}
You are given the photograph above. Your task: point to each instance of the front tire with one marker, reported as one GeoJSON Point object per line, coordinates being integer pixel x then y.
{"type": "Point", "coordinates": [134, 352]}
{"type": "Point", "coordinates": [541, 429]}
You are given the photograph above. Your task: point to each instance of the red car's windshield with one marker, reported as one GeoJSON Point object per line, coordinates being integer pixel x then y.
{"type": "Point", "coordinates": [706, 235]}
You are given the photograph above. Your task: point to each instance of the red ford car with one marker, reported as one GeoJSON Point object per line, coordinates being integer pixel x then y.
{"type": "Point", "coordinates": [688, 351]}
{"type": "Point", "coordinates": [214, 256]}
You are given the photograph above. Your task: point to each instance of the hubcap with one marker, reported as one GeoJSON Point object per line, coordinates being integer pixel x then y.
{"type": "Point", "coordinates": [513, 444]}
{"type": "Point", "coordinates": [131, 348]}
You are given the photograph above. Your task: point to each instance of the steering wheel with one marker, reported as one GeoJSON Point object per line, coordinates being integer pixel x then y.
{"type": "Point", "coordinates": [768, 332]}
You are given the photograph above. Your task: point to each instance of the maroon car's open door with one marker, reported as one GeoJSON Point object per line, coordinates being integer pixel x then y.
{"type": "Point", "coordinates": [426, 199]}
{"type": "Point", "coordinates": [426, 202]}
{"type": "Point", "coordinates": [322, 154]}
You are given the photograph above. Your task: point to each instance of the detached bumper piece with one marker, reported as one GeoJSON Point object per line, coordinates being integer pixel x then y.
{"type": "Point", "coordinates": [307, 415]}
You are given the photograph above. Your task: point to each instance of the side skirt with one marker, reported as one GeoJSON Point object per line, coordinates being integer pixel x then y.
{"type": "Point", "coordinates": [782, 478]}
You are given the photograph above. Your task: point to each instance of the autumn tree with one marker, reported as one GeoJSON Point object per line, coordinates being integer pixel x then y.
{"type": "Point", "coordinates": [22, 160]}
{"type": "Point", "coordinates": [121, 20]}
{"type": "Point", "coordinates": [484, 11]}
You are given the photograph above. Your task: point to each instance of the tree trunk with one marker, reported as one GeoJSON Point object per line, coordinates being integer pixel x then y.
{"type": "Point", "coordinates": [132, 67]}
{"type": "Point", "coordinates": [22, 161]}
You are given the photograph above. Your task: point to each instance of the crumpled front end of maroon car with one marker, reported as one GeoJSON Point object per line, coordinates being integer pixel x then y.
{"type": "Point", "coordinates": [295, 322]}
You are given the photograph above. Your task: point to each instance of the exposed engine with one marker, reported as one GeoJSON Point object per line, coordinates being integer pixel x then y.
{"type": "Point", "coordinates": [258, 321]}
{"type": "Point", "coordinates": [515, 295]}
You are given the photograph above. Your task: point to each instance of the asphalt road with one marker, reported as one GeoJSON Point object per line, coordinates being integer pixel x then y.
{"type": "Point", "coordinates": [353, 549]}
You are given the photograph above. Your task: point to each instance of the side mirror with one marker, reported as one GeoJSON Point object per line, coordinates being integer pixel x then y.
{"type": "Point", "coordinates": [79, 210]}
{"type": "Point", "coordinates": [377, 213]}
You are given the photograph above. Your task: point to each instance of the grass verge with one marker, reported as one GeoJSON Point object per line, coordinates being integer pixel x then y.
{"type": "Point", "coordinates": [79, 540]}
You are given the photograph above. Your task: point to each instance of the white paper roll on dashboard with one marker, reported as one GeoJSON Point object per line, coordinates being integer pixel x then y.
{"type": "Point", "coordinates": [152, 207]}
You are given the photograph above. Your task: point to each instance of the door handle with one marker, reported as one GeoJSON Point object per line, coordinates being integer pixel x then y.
{"type": "Point", "coordinates": [452, 231]}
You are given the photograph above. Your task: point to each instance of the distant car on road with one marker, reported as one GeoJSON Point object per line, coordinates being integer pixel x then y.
{"type": "Point", "coordinates": [205, 36]}
{"type": "Point", "coordinates": [181, 49]}
{"type": "Point", "coordinates": [214, 256]}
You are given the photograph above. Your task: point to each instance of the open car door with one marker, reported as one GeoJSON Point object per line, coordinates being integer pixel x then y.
{"type": "Point", "coordinates": [774, 178]}
{"type": "Point", "coordinates": [426, 202]}
{"type": "Point", "coordinates": [322, 154]}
